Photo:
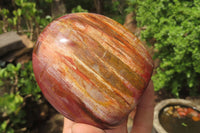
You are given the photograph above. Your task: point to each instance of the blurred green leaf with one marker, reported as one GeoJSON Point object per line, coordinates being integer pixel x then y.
{"type": "Point", "coordinates": [9, 103]}
{"type": "Point", "coordinates": [78, 9]}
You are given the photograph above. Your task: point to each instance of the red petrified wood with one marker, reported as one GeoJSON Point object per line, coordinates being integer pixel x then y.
{"type": "Point", "coordinates": [91, 69]}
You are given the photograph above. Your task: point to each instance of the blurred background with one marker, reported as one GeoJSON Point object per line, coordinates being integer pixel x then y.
{"type": "Point", "coordinates": [170, 29]}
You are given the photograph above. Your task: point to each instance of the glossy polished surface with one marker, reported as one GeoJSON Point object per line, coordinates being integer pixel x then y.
{"type": "Point", "coordinates": [91, 69]}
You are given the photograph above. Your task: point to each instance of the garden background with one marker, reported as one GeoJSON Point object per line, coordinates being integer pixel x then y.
{"type": "Point", "coordinates": [170, 29]}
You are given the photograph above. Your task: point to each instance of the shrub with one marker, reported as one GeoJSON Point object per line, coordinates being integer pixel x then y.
{"type": "Point", "coordinates": [16, 84]}
{"type": "Point", "coordinates": [175, 26]}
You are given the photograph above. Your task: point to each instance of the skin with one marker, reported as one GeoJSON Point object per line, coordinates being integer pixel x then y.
{"type": "Point", "coordinates": [143, 119]}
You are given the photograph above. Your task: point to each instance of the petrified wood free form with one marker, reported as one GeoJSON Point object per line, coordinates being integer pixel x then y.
{"type": "Point", "coordinates": [91, 69]}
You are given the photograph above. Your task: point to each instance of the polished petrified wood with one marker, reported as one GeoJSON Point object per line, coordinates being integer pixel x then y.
{"type": "Point", "coordinates": [91, 69]}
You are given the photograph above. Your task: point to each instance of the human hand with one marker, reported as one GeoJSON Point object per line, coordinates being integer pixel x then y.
{"type": "Point", "coordinates": [142, 123]}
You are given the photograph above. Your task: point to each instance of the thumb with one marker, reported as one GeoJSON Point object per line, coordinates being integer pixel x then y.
{"type": "Point", "coordinates": [84, 128]}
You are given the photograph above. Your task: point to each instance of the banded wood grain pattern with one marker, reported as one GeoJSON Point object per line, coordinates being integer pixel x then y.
{"type": "Point", "coordinates": [91, 69]}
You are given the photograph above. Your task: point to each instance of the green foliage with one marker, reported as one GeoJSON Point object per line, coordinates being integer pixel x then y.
{"type": "Point", "coordinates": [10, 103]}
{"type": "Point", "coordinates": [48, 1]}
{"type": "Point", "coordinates": [176, 27]}
{"type": "Point", "coordinates": [27, 15]}
{"type": "Point", "coordinates": [115, 9]}
{"type": "Point", "coordinates": [115, 5]}
{"type": "Point", "coordinates": [85, 4]}
{"type": "Point", "coordinates": [4, 13]}
{"type": "Point", "coordinates": [27, 82]}
{"type": "Point", "coordinates": [78, 9]}
{"type": "Point", "coordinates": [31, 16]}
{"type": "Point", "coordinates": [131, 6]}
{"type": "Point", "coordinates": [43, 22]}
{"type": "Point", "coordinates": [17, 83]}
{"type": "Point", "coordinates": [6, 21]}
{"type": "Point", "coordinates": [13, 115]}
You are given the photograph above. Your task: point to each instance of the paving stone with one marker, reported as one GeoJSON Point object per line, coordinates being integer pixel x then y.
{"type": "Point", "coordinates": [10, 41]}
